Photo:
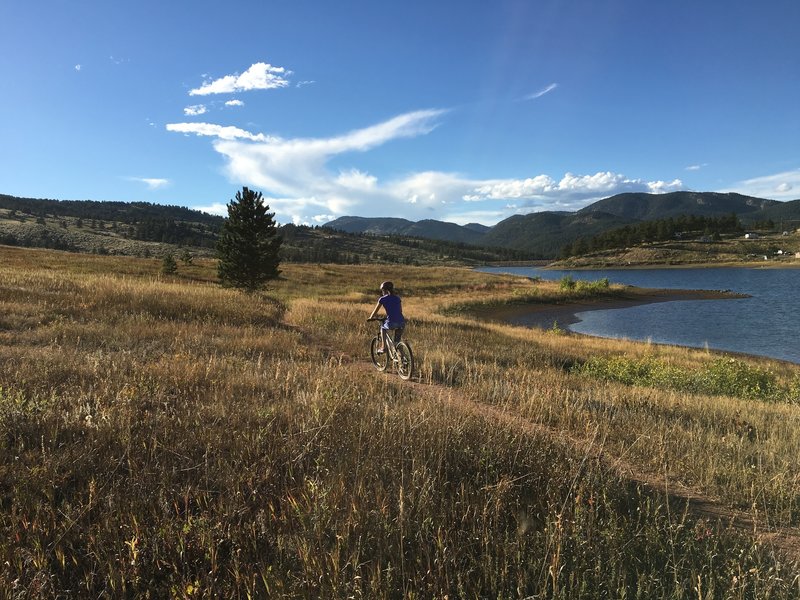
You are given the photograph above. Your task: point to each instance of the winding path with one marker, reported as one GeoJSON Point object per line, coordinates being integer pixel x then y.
{"type": "Point", "coordinates": [784, 540]}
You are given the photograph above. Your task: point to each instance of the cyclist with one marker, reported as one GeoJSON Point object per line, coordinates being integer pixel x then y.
{"type": "Point", "coordinates": [391, 303]}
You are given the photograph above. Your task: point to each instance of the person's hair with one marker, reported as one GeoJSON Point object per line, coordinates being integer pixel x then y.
{"type": "Point", "coordinates": [388, 286]}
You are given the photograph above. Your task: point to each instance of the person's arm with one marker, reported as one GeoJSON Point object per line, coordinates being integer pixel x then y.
{"type": "Point", "coordinates": [375, 310]}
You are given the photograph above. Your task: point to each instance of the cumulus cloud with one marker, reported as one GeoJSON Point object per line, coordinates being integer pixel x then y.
{"type": "Point", "coordinates": [234, 103]}
{"type": "Point", "coordinates": [195, 110]}
{"type": "Point", "coordinates": [296, 177]}
{"type": "Point", "coordinates": [152, 183]}
{"type": "Point", "coordinates": [260, 76]}
{"type": "Point", "coordinates": [570, 188]}
{"type": "Point", "coordinates": [780, 186]}
{"type": "Point", "coordinates": [214, 209]}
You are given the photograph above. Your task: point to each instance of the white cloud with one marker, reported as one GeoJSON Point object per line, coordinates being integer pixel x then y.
{"type": "Point", "coordinates": [664, 187]}
{"type": "Point", "coordinates": [78, 67]}
{"type": "Point", "coordinates": [304, 83]}
{"type": "Point", "coordinates": [195, 110]}
{"type": "Point", "coordinates": [541, 92]}
{"type": "Point", "coordinates": [214, 209]}
{"type": "Point", "coordinates": [696, 167]}
{"type": "Point", "coordinates": [234, 103]}
{"type": "Point", "coordinates": [296, 168]}
{"type": "Point", "coordinates": [260, 76]}
{"type": "Point", "coordinates": [152, 183]}
{"type": "Point", "coordinates": [568, 190]}
{"type": "Point", "coordinates": [295, 177]}
{"type": "Point", "coordinates": [218, 131]}
{"type": "Point", "coordinates": [781, 186]}
{"type": "Point", "coordinates": [356, 180]}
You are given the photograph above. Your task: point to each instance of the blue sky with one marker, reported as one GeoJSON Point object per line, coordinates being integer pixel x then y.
{"type": "Point", "coordinates": [466, 111]}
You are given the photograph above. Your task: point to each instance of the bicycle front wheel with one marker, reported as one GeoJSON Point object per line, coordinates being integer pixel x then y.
{"type": "Point", "coordinates": [405, 363]}
{"type": "Point", "coordinates": [379, 360]}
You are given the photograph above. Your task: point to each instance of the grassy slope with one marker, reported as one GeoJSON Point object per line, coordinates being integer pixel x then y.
{"type": "Point", "coordinates": [731, 251]}
{"type": "Point", "coordinates": [107, 238]}
{"type": "Point", "coordinates": [164, 436]}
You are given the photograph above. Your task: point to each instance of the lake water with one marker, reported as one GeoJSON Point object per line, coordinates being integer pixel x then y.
{"type": "Point", "coordinates": [765, 324]}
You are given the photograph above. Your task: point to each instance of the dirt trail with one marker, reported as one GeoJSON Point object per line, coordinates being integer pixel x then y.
{"type": "Point", "coordinates": [785, 540]}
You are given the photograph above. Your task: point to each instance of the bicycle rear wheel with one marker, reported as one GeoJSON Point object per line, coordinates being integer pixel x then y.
{"type": "Point", "coordinates": [405, 363]}
{"type": "Point", "coordinates": [379, 360]}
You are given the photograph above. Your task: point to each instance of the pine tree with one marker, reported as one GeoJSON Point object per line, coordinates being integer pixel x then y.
{"type": "Point", "coordinates": [249, 243]}
{"type": "Point", "coordinates": [168, 265]}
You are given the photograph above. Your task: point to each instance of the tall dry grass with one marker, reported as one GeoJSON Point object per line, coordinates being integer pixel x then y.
{"type": "Point", "coordinates": [164, 437]}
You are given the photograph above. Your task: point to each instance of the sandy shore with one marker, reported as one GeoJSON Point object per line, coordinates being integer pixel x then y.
{"type": "Point", "coordinates": [543, 316]}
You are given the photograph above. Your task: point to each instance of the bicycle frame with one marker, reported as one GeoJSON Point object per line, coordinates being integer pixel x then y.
{"type": "Point", "coordinates": [394, 350]}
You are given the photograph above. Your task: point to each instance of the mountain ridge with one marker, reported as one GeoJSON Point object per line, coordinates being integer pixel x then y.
{"type": "Point", "coordinates": [543, 234]}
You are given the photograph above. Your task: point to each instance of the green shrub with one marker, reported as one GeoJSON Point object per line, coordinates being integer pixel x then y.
{"type": "Point", "coordinates": [600, 285]}
{"type": "Point", "coordinates": [724, 376]}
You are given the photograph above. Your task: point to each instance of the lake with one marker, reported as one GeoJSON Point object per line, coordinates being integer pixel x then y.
{"type": "Point", "coordinates": [765, 324]}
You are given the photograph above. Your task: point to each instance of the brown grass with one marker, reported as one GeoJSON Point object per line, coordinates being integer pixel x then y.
{"type": "Point", "coordinates": [164, 437]}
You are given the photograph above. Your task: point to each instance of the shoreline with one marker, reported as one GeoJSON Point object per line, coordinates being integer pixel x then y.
{"type": "Point", "coordinates": [544, 316]}
{"type": "Point", "coordinates": [647, 266]}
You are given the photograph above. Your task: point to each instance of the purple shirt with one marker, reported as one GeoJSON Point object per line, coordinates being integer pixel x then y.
{"type": "Point", "coordinates": [394, 311]}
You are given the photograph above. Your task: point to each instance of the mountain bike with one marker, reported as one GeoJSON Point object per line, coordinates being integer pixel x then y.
{"type": "Point", "coordinates": [399, 353]}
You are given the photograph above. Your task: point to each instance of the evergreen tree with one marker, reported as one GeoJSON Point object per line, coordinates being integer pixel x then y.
{"type": "Point", "coordinates": [249, 243]}
{"type": "Point", "coordinates": [168, 265]}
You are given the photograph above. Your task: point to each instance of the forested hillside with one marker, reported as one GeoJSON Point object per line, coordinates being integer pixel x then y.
{"type": "Point", "coordinates": [548, 234]}
{"type": "Point", "coordinates": [143, 229]}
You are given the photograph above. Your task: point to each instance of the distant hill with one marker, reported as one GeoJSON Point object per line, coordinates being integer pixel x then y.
{"type": "Point", "coordinates": [651, 207]}
{"type": "Point", "coordinates": [428, 228]}
{"type": "Point", "coordinates": [145, 229]}
{"type": "Point", "coordinates": [122, 212]}
{"type": "Point", "coordinates": [477, 227]}
{"type": "Point", "coordinates": [544, 234]}
{"type": "Point", "coordinates": [788, 212]}
{"type": "Point", "coordinates": [153, 230]}
{"type": "Point", "coordinates": [132, 228]}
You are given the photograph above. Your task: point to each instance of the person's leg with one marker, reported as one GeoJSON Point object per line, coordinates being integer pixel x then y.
{"type": "Point", "coordinates": [383, 341]}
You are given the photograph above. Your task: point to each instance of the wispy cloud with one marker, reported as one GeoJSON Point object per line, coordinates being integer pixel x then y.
{"type": "Point", "coordinates": [541, 92]}
{"type": "Point", "coordinates": [780, 186]}
{"type": "Point", "coordinates": [78, 67]}
{"type": "Point", "coordinates": [696, 167]}
{"type": "Point", "coordinates": [195, 110]}
{"type": "Point", "coordinates": [295, 175]}
{"type": "Point", "coordinates": [234, 103]}
{"type": "Point", "coordinates": [152, 183]}
{"type": "Point", "coordinates": [218, 131]}
{"type": "Point", "coordinates": [260, 76]}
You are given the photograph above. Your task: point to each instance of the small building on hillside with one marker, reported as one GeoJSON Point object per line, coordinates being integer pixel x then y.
{"type": "Point", "coordinates": [751, 236]}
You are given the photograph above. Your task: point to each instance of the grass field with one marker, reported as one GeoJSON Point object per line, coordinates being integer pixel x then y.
{"type": "Point", "coordinates": [165, 437]}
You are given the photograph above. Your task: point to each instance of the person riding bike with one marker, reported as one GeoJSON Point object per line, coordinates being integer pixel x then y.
{"type": "Point", "coordinates": [395, 321]}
